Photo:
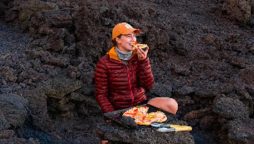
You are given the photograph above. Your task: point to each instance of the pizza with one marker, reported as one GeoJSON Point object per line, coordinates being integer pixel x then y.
{"type": "Point", "coordinates": [136, 111]}
{"type": "Point", "coordinates": [142, 46]}
{"type": "Point", "coordinates": [142, 117]}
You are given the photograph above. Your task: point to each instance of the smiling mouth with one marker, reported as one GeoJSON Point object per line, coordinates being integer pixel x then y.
{"type": "Point", "coordinates": [131, 45]}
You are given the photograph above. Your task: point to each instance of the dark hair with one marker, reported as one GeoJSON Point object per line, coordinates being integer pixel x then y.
{"type": "Point", "coordinates": [114, 40]}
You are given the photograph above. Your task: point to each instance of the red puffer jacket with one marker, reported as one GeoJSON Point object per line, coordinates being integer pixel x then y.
{"type": "Point", "coordinates": [120, 85]}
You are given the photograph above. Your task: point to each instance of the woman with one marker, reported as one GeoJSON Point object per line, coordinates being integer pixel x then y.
{"type": "Point", "coordinates": [124, 74]}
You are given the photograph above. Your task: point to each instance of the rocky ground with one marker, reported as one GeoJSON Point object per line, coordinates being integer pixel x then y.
{"type": "Point", "coordinates": [13, 110]}
{"type": "Point", "coordinates": [201, 53]}
{"type": "Point", "coordinates": [18, 114]}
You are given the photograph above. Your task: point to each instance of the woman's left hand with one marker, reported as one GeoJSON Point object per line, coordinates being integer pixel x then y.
{"type": "Point", "coordinates": [141, 53]}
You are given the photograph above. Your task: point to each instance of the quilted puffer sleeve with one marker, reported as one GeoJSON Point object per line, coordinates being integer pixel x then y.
{"type": "Point", "coordinates": [145, 74]}
{"type": "Point", "coordinates": [101, 82]}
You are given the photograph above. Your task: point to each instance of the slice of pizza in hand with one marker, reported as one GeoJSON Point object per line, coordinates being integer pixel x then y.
{"type": "Point", "coordinates": [142, 46]}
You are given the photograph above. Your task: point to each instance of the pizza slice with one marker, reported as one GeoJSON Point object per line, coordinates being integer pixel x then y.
{"type": "Point", "coordinates": [142, 117]}
{"type": "Point", "coordinates": [136, 111]}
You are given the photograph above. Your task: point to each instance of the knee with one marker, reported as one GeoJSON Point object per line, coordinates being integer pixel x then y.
{"type": "Point", "coordinates": [173, 105]}
{"type": "Point", "coordinates": [167, 104]}
{"type": "Point", "coordinates": [104, 142]}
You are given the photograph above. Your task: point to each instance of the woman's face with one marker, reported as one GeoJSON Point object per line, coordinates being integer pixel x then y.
{"type": "Point", "coordinates": [125, 42]}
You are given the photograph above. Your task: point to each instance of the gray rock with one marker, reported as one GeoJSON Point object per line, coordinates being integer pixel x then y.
{"type": "Point", "coordinates": [3, 122]}
{"type": "Point", "coordinates": [4, 89]}
{"type": "Point", "coordinates": [210, 39]}
{"type": "Point", "coordinates": [77, 97]}
{"type": "Point", "coordinates": [64, 105]}
{"type": "Point", "coordinates": [31, 74]}
{"type": "Point", "coordinates": [181, 69]}
{"type": "Point", "coordinates": [247, 75]}
{"type": "Point", "coordinates": [33, 54]}
{"type": "Point", "coordinates": [73, 72]}
{"type": "Point", "coordinates": [38, 107]}
{"type": "Point", "coordinates": [14, 108]}
{"type": "Point", "coordinates": [185, 90]}
{"type": "Point", "coordinates": [144, 135]}
{"type": "Point", "coordinates": [207, 122]}
{"type": "Point", "coordinates": [27, 8]}
{"type": "Point", "coordinates": [180, 48]}
{"type": "Point", "coordinates": [55, 61]}
{"type": "Point", "coordinates": [238, 62]}
{"type": "Point", "coordinates": [16, 140]}
{"type": "Point", "coordinates": [185, 100]}
{"type": "Point", "coordinates": [208, 89]}
{"type": "Point", "coordinates": [60, 87]}
{"type": "Point", "coordinates": [197, 114]}
{"type": "Point", "coordinates": [88, 88]}
{"type": "Point", "coordinates": [8, 74]}
{"type": "Point", "coordinates": [230, 108]}
{"type": "Point", "coordinates": [251, 47]}
{"type": "Point", "coordinates": [241, 131]}
{"type": "Point", "coordinates": [161, 90]}
{"type": "Point", "coordinates": [89, 107]}
{"type": "Point", "coordinates": [250, 90]}
{"type": "Point", "coordinates": [252, 6]}
{"type": "Point", "coordinates": [238, 9]}
{"type": "Point", "coordinates": [6, 134]}
{"type": "Point", "coordinates": [58, 18]}
{"type": "Point", "coordinates": [207, 93]}
{"type": "Point", "coordinates": [3, 7]}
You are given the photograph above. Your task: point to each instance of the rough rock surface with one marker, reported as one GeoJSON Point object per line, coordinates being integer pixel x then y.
{"type": "Point", "coordinates": [14, 109]}
{"type": "Point", "coordinates": [9, 137]}
{"type": "Point", "coordinates": [3, 122]}
{"type": "Point", "coordinates": [241, 132]}
{"type": "Point", "coordinates": [144, 135]}
{"type": "Point", "coordinates": [239, 9]}
{"type": "Point", "coordinates": [197, 50]}
{"type": "Point", "coordinates": [230, 108]}
{"type": "Point", "coordinates": [3, 7]}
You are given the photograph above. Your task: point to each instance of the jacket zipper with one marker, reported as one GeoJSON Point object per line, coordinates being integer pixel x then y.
{"type": "Point", "coordinates": [129, 83]}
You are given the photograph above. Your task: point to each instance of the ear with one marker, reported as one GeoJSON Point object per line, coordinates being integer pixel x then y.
{"type": "Point", "coordinates": [118, 40]}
